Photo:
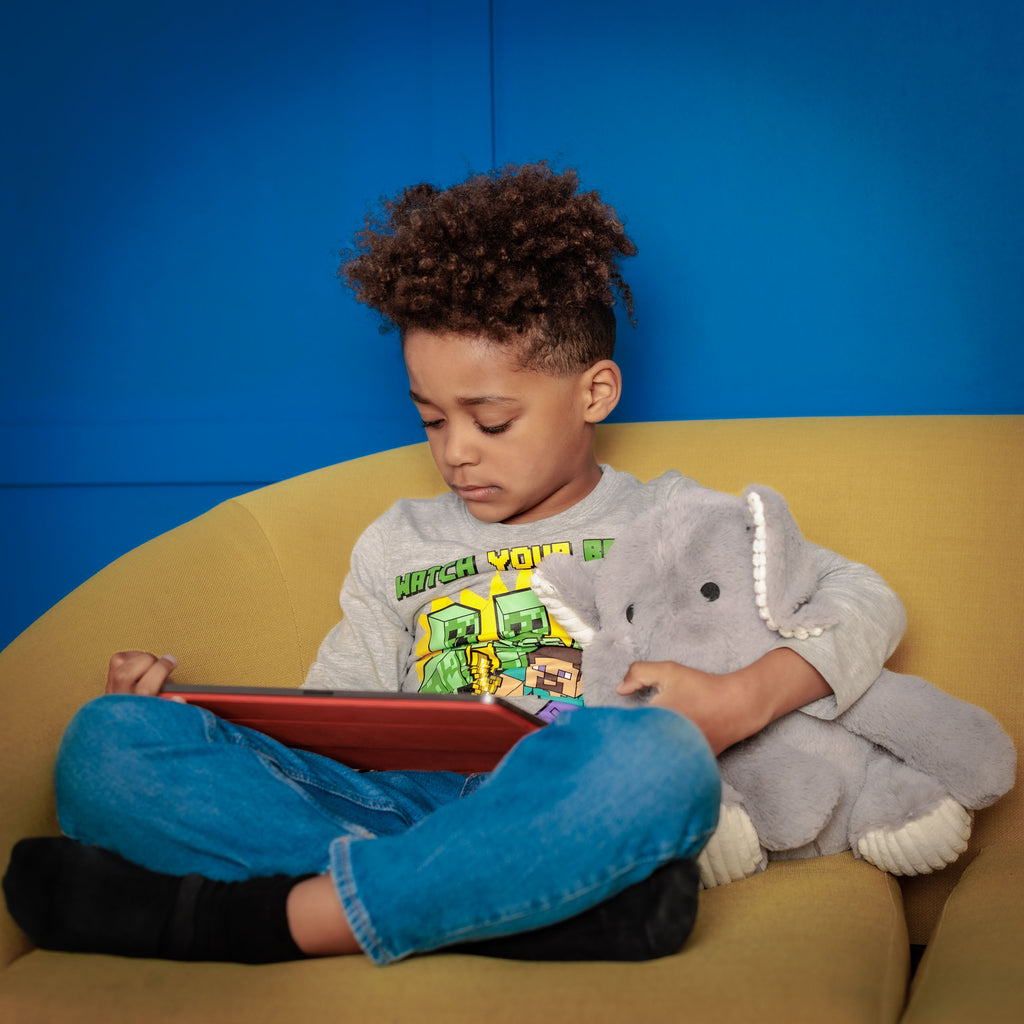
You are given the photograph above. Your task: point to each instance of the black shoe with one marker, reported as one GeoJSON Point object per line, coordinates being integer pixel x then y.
{"type": "Point", "coordinates": [648, 920]}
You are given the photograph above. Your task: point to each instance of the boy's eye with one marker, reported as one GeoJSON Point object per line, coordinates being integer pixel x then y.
{"type": "Point", "coordinates": [427, 424]}
{"type": "Point", "coordinates": [500, 429]}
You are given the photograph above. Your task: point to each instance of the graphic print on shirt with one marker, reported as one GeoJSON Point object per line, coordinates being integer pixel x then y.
{"type": "Point", "coordinates": [504, 643]}
{"type": "Point", "coordinates": [491, 637]}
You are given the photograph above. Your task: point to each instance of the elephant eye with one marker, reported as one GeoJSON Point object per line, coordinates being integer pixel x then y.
{"type": "Point", "coordinates": [711, 591]}
{"type": "Point", "coordinates": [629, 614]}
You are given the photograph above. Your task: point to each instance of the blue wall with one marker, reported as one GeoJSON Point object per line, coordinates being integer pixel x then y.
{"type": "Point", "coordinates": [827, 198]}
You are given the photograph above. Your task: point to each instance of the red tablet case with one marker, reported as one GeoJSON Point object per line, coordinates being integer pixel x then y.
{"type": "Point", "coordinates": [413, 731]}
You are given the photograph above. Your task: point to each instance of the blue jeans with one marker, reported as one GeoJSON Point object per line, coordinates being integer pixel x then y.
{"type": "Point", "coordinates": [575, 813]}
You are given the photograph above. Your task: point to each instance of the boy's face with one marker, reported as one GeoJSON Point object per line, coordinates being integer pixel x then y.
{"type": "Point", "coordinates": [514, 444]}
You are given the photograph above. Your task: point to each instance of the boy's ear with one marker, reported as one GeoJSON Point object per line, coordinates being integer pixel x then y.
{"type": "Point", "coordinates": [603, 384]}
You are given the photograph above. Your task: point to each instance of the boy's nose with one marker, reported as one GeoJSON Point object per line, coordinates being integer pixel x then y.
{"type": "Point", "coordinates": [460, 448]}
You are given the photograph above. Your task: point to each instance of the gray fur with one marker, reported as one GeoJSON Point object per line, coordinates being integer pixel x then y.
{"type": "Point", "coordinates": [809, 786]}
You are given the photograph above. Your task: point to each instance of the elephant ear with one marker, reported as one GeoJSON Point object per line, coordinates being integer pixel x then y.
{"type": "Point", "coordinates": [567, 589]}
{"type": "Point", "coordinates": [785, 573]}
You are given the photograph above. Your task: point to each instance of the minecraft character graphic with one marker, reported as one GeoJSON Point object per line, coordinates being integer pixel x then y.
{"type": "Point", "coordinates": [522, 623]}
{"type": "Point", "coordinates": [453, 630]}
{"type": "Point", "coordinates": [485, 649]}
{"type": "Point", "coordinates": [555, 672]}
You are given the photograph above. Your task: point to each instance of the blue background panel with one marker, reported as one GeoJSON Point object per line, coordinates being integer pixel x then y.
{"type": "Point", "coordinates": [827, 198]}
{"type": "Point", "coordinates": [54, 533]}
{"type": "Point", "coordinates": [184, 175]}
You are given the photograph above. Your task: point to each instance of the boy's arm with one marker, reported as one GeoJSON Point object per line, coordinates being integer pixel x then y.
{"type": "Point", "coordinates": [345, 661]}
{"type": "Point", "coordinates": [729, 708]}
{"type": "Point", "coordinates": [851, 654]}
{"type": "Point", "coordinates": [823, 675]}
{"type": "Point", "coordinates": [368, 649]}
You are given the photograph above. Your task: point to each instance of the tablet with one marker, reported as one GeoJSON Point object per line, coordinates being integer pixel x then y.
{"type": "Point", "coordinates": [375, 731]}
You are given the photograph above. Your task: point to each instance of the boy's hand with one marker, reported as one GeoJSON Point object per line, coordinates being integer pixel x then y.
{"type": "Point", "coordinates": [138, 672]}
{"type": "Point", "coordinates": [714, 703]}
{"type": "Point", "coordinates": [730, 707]}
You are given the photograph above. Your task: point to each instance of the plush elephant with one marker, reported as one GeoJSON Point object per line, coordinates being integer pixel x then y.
{"type": "Point", "coordinates": [712, 581]}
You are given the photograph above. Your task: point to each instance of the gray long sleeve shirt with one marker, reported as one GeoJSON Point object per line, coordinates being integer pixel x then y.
{"type": "Point", "coordinates": [436, 600]}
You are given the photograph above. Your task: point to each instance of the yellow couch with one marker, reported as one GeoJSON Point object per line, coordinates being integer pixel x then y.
{"type": "Point", "coordinates": [244, 594]}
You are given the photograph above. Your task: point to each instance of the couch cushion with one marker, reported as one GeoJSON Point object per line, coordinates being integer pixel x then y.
{"type": "Point", "coordinates": [805, 942]}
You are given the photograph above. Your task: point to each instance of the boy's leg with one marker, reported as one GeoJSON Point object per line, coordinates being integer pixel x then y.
{"type": "Point", "coordinates": [575, 814]}
{"type": "Point", "coordinates": [218, 824]}
{"type": "Point", "coordinates": [628, 792]}
{"type": "Point", "coordinates": [175, 789]}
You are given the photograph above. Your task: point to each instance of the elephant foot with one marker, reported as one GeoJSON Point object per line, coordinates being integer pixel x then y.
{"type": "Point", "coordinates": [733, 851]}
{"type": "Point", "coordinates": [926, 844]}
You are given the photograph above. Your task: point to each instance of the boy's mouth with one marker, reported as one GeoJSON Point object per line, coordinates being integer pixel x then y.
{"type": "Point", "coordinates": [474, 493]}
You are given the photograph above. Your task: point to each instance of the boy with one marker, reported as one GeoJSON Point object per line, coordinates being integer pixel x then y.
{"type": "Point", "coordinates": [581, 843]}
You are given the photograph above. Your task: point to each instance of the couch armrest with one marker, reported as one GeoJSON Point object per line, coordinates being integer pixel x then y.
{"type": "Point", "coordinates": [972, 968]}
{"type": "Point", "coordinates": [210, 591]}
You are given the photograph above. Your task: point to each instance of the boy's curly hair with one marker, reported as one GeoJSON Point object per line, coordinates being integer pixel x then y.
{"type": "Point", "coordinates": [515, 255]}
